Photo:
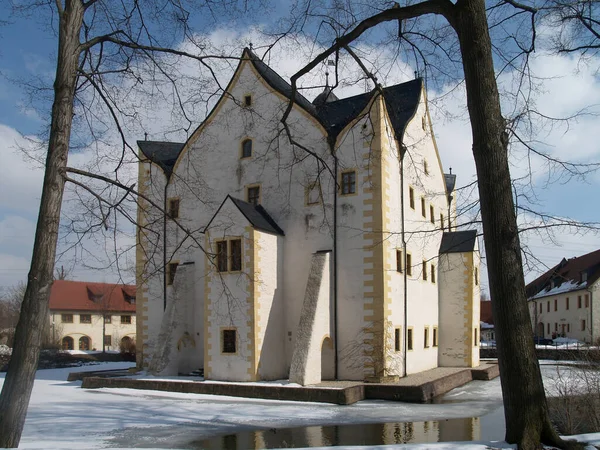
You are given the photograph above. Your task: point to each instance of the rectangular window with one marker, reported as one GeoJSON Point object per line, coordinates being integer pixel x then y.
{"type": "Point", "coordinates": [171, 271]}
{"type": "Point", "coordinates": [425, 166]}
{"type": "Point", "coordinates": [583, 325]}
{"type": "Point", "coordinates": [85, 318]}
{"type": "Point", "coordinates": [229, 338]}
{"type": "Point", "coordinates": [408, 264]}
{"type": "Point", "coordinates": [579, 301]}
{"type": "Point", "coordinates": [235, 247]}
{"type": "Point", "coordinates": [349, 182]}
{"type": "Point", "coordinates": [442, 225]}
{"type": "Point", "coordinates": [555, 304]}
{"type": "Point", "coordinates": [246, 148]}
{"type": "Point", "coordinates": [174, 208]}
{"type": "Point", "coordinates": [411, 197]}
{"type": "Point", "coordinates": [548, 327]}
{"type": "Point", "coordinates": [126, 319]}
{"type": "Point", "coordinates": [587, 301]}
{"type": "Point", "coordinates": [253, 195]}
{"type": "Point", "coordinates": [424, 270]}
{"type": "Point", "coordinates": [568, 328]}
{"type": "Point", "coordinates": [399, 261]}
{"type": "Point", "coordinates": [66, 318]}
{"type": "Point", "coordinates": [567, 303]}
{"type": "Point", "coordinates": [423, 213]}
{"type": "Point", "coordinates": [247, 100]}
{"type": "Point", "coordinates": [409, 339]}
{"type": "Point", "coordinates": [548, 306]}
{"type": "Point", "coordinates": [107, 340]}
{"type": "Point", "coordinates": [435, 336]}
{"type": "Point", "coordinates": [431, 214]}
{"type": "Point", "coordinates": [475, 337]}
{"type": "Point", "coordinates": [222, 256]}
{"type": "Point", "coordinates": [433, 273]}
{"type": "Point", "coordinates": [426, 337]}
{"type": "Point", "coordinates": [476, 276]}
{"type": "Point", "coordinates": [107, 319]}
{"type": "Point", "coordinates": [397, 339]}
{"type": "Point", "coordinates": [313, 194]}
{"type": "Point", "coordinates": [555, 326]}
{"type": "Point", "coordinates": [540, 308]}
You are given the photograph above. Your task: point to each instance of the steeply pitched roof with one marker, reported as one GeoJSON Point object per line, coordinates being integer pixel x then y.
{"type": "Point", "coordinates": [458, 241]}
{"type": "Point", "coordinates": [258, 217]}
{"type": "Point", "coordinates": [84, 296]}
{"type": "Point", "coordinates": [162, 153]}
{"type": "Point", "coordinates": [568, 275]}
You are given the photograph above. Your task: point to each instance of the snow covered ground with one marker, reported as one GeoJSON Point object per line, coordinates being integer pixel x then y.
{"type": "Point", "coordinates": [63, 416]}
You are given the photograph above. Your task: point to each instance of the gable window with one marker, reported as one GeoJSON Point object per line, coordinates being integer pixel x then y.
{"type": "Point", "coordinates": [442, 225]}
{"type": "Point", "coordinates": [399, 260]}
{"type": "Point", "coordinates": [173, 208]}
{"type": "Point", "coordinates": [247, 100]}
{"type": "Point", "coordinates": [253, 195]}
{"type": "Point", "coordinates": [85, 318]}
{"type": "Point", "coordinates": [228, 341]}
{"type": "Point", "coordinates": [408, 264]}
{"type": "Point", "coordinates": [411, 197]}
{"type": "Point", "coordinates": [126, 319]}
{"type": "Point", "coordinates": [433, 273]}
{"type": "Point", "coordinates": [426, 338]}
{"type": "Point", "coordinates": [397, 339]}
{"type": "Point", "coordinates": [423, 212]}
{"type": "Point", "coordinates": [66, 318]}
{"type": "Point", "coordinates": [171, 271]}
{"type": "Point", "coordinates": [349, 182]}
{"type": "Point", "coordinates": [229, 255]}
{"type": "Point", "coordinates": [409, 338]}
{"type": "Point", "coordinates": [424, 270]}
{"type": "Point", "coordinates": [313, 194]}
{"type": "Point", "coordinates": [583, 276]}
{"type": "Point", "coordinates": [107, 319]}
{"type": "Point", "coordinates": [246, 148]}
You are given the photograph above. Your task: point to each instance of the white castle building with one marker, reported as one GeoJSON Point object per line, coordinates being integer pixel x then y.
{"type": "Point", "coordinates": [322, 249]}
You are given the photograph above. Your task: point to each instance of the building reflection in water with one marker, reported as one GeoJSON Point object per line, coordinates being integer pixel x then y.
{"type": "Point", "coordinates": [468, 429]}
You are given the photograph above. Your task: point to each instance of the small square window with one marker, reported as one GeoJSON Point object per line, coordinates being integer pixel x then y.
{"type": "Point", "coordinates": [247, 100]}
{"type": "Point", "coordinates": [246, 148]}
{"type": "Point", "coordinates": [125, 319]}
{"type": "Point", "coordinates": [349, 182]}
{"type": "Point", "coordinates": [66, 318]}
{"type": "Point", "coordinates": [107, 319]}
{"type": "Point", "coordinates": [409, 264]}
{"type": "Point", "coordinates": [229, 338]}
{"type": "Point", "coordinates": [397, 339]}
{"type": "Point", "coordinates": [171, 271]}
{"type": "Point", "coordinates": [411, 197]}
{"type": "Point", "coordinates": [174, 208]}
{"type": "Point", "coordinates": [253, 195]}
{"type": "Point", "coordinates": [85, 318]}
{"type": "Point", "coordinates": [399, 261]}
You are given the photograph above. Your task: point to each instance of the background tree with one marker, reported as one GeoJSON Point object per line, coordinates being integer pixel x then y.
{"type": "Point", "coordinates": [99, 42]}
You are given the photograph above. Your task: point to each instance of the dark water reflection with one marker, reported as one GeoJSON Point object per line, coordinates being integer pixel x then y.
{"type": "Point", "coordinates": [357, 434]}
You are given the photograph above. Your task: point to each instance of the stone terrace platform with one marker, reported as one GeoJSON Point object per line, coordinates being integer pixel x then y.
{"type": "Point", "coordinates": [417, 388]}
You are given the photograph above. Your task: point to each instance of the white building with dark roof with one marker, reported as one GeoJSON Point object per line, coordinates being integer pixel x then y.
{"type": "Point", "coordinates": [561, 301]}
{"type": "Point", "coordinates": [325, 249]}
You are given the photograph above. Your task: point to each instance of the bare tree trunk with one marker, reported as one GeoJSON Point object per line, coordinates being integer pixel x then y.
{"type": "Point", "coordinates": [525, 408]}
{"type": "Point", "coordinates": [18, 383]}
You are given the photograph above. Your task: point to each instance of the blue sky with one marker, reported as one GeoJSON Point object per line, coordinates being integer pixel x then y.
{"type": "Point", "coordinates": [29, 48]}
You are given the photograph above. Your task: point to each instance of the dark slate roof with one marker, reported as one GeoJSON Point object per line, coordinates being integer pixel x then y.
{"type": "Point", "coordinates": [258, 216]}
{"type": "Point", "coordinates": [567, 275]}
{"type": "Point", "coordinates": [162, 153]}
{"type": "Point", "coordinates": [401, 101]}
{"type": "Point", "coordinates": [458, 241]}
{"type": "Point", "coordinates": [325, 97]}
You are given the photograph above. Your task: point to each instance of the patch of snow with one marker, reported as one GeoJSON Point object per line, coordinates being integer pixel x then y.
{"type": "Point", "coordinates": [5, 350]}
{"type": "Point", "coordinates": [567, 286]}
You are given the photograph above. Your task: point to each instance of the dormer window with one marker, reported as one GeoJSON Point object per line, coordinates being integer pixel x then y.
{"type": "Point", "coordinates": [247, 100]}
{"type": "Point", "coordinates": [583, 277]}
{"type": "Point", "coordinates": [246, 148]}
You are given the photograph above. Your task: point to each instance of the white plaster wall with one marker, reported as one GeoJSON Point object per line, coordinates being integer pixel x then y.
{"type": "Point", "coordinates": [570, 318]}
{"type": "Point", "coordinates": [269, 318]}
{"type": "Point", "coordinates": [93, 330]}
